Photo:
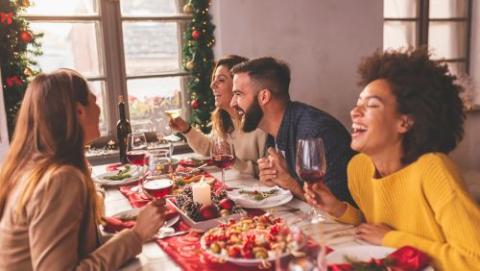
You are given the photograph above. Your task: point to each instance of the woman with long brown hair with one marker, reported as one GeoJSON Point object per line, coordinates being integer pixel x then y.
{"type": "Point", "coordinates": [49, 210]}
{"type": "Point", "coordinates": [226, 122]}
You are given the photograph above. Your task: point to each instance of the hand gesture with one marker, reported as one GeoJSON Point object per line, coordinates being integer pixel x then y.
{"type": "Point", "coordinates": [150, 219]}
{"type": "Point", "coordinates": [373, 233]}
{"type": "Point", "coordinates": [178, 124]}
{"type": "Point", "coordinates": [319, 195]}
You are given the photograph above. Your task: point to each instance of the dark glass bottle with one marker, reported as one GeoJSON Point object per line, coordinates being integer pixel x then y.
{"type": "Point", "coordinates": [123, 129]}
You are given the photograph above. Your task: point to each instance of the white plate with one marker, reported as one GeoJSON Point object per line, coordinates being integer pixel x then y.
{"type": "Point", "coordinates": [361, 253]}
{"type": "Point", "coordinates": [283, 196]}
{"type": "Point", "coordinates": [240, 261]}
{"type": "Point", "coordinates": [134, 212]}
{"type": "Point", "coordinates": [134, 172]}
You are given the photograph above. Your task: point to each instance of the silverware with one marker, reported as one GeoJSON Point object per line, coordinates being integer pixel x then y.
{"type": "Point", "coordinates": [169, 234]}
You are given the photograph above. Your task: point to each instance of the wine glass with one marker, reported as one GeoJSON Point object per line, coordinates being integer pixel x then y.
{"type": "Point", "coordinates": [136, 148]}
{"type": "Point", "coordinates": [311, 165]}
{"type": "Point", "coordinates": [222, 154]}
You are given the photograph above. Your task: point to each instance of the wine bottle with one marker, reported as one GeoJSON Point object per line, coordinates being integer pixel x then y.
{"type": "Point", "coordinates": [123, 129]}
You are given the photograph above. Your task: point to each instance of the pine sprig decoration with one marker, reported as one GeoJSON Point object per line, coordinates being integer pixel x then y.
{"type": "Point", "coordinates": [198, 59]}
{"type": "Point", "coordinates": [17, 44]}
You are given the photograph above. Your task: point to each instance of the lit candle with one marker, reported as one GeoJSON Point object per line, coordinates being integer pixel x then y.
{"type": "Point", "coordinates": [201, 193]}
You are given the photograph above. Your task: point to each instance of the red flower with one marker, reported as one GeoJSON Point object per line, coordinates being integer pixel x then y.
{"type": "Point", "coordinates": [14, 80]}
{"type": "Point", "coordinates": [409, 258]}
{"type": "Point", "coordinates": [6, 17]}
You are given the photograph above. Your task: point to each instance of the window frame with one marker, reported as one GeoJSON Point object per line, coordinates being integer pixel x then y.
{"type": "Point", "coordinates": [423, 20]}
{"type": "Point", "coordinates": [110, 35]}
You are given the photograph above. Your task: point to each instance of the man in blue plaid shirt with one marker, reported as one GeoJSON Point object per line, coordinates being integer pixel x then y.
{"type": "Point", "coordinates": [261, 97]}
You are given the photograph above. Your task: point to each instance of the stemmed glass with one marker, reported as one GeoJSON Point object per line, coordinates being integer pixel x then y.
{"type": "Point", "coordinates": [222, 154]}
{"type": "Point", "coordinates": [311, 166]}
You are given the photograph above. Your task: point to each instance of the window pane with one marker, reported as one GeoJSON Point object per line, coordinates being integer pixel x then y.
{"type": "Point", "coordinates": [448, 8]}
{"type": "Point", "coordinates": [151, 47]}
{"type": "Point", "coordinates": [148, 7]}
{"type": "Point", "coordinates": [447, 39]}
{"type": "Point", "coordinates": [457, 68]}
{"type": "Point", "coordinates": [400, 8]}
{"type": "Point", "coordinates": [63, 7]}
{"type": "Point", "coordinates": [399, 34]}
{"type": "Point", "coordinates": [69, 45]}
{"type": "Point", "coordinates": [98, 88]}
{"type": "Point", "coordinates": [149, 98]}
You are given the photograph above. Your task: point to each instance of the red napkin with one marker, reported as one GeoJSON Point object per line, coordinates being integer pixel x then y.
{"type": "Point", "coordinates": [406, 258]}
{"type": "Point", "coordinates": [113, 224]}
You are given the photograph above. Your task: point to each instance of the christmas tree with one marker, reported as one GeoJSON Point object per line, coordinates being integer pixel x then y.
{"type": "Point", "coordinates": [198, 59]}
{"type": "Point", "coordinates": [15, 65]}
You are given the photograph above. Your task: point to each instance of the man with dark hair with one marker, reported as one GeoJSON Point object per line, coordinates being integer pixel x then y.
{"type": "Point", "coordinates": [261, 97]}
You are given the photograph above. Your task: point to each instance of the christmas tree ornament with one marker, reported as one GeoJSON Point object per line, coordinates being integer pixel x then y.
{"type": "Point", "coordinates": [190, 65]}
{"type": "Point", "coordinates": [25, 36]}
{"type": "Point", "coordinates": [188, 8]}
{"type": "Point", "coordinates": [196, 35]}
{"type": "Point", "coordinates": [195, 104]}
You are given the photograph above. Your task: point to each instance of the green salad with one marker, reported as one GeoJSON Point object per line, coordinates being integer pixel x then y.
{"type": "Point", "coordinates": [122, 174]}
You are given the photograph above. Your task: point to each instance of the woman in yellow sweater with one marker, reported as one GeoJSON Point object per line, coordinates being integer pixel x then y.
{"type": "Point", "coordinates": [407, 118]}
{"type": "Point", "coordinates": [226, 122]}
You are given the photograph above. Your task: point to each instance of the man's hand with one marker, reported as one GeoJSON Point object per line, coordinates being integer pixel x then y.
{"type": "Point", "coordinates": [274, 171]}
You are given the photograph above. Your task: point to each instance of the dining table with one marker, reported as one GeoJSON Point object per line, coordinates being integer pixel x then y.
{"type": "Point", "coordinates": [295, 212]}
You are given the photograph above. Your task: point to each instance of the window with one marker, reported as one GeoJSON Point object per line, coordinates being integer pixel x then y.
{"type": "Point", "coordinates": [443, 25]}
{"type": "Point", "coordinates": [129, 47]}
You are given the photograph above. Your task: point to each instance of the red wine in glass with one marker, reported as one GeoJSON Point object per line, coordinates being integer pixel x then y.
{"type": "Point", "coordinates": [157, 188]}
{"type": "Point", "coordinates": [312, 176]}
{"type": "Point", "coordinates": [136, 157]}
{"type": "Point", "coordinates": [223, 161]}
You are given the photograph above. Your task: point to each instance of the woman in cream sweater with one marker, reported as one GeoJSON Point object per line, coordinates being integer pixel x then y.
{"type": "Point", "coordinates": [49, 211]}
{"type": "Point", "coordinates": [226, 122]}
{"type": "Point", "coordinates": [409, 192]}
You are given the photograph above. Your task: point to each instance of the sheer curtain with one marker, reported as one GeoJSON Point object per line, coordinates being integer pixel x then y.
{"type": "Point", "coordinates": [3, 124]}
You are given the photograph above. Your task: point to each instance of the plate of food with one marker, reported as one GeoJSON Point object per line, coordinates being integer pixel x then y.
{"type": "Point", "coordinates": [260, 197]}
{"type": "Point", "coordinates": [202, 217]}
{"type": "Point", "coordinates": [127, 219]}
{"type": "Point", "coordinates": [124, 174]}
{"type": "Point", "coordinates": [364, 253]}
{"type": "Point", "coordinates": [252, 241]}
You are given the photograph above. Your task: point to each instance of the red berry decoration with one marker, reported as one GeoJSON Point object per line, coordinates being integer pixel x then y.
{"type": "Point", "coordinates": [196, 34]}
{"type": "Point", "coordinates": [25, 36]}
{"type": "Point", "coordinates": [226, 204]}
{"type": "Point", "coordinates": [208, 212]}
{"type": "Point", "coordinates": [195, 104]}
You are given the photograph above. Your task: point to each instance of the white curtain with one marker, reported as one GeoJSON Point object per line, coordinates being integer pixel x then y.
{"type": "Point", "coordinates": [3, 124]}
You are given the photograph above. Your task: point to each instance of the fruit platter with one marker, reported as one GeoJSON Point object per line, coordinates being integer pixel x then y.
{"type": "Point", "coordinates": [252, 241]}
{"type": "Point", "coordinates": [205, 216]}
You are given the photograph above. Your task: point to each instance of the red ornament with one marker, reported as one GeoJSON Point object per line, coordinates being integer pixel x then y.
{"type": "Point", "coordinates": [6, 18]}
{"type": "Point", "coordinates": [196, 34]}
{"type": "Point", "coordinates": [25, 36]}
{"type": "Point", "coordinates": [14, 81]}
{"type": "Point", "coordinates": [195, 104]}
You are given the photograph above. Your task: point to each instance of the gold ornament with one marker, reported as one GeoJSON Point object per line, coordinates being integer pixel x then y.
{"type": "Point", "coordinates": [190, 65]}
{"type": "Point", "coordinates": [188, 8]}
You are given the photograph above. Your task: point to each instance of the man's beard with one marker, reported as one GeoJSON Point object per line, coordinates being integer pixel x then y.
{"type": "Point", "coordinates": [252, 117]}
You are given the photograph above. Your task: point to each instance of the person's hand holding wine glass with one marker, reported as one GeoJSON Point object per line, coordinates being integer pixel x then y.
{"type": "Point", "coordinates": [311, 167]}
{"type": "Point", "coordinates": [222, 154]}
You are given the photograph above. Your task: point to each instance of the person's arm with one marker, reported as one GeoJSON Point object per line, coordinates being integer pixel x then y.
{"type": "Point", "coordinates": [199, 142]}
{"type": "Point", "coordinates": [55, 215]}
{"type": "Point", "coordinates": [455, 212]}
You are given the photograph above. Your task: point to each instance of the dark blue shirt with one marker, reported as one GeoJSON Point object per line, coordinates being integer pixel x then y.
{"type": "Point", "coordinates": [301, 121]}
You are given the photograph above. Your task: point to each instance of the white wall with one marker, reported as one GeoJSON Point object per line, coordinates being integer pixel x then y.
{"type": "Point", "coordinates": [322, 40]}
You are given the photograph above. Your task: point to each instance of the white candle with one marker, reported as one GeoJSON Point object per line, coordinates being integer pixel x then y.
{"type": "Point", "coordinates": [201, 193]}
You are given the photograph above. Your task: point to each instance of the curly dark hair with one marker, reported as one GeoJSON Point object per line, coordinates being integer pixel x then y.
{"type": "Point", "coordinates": [425, 90]}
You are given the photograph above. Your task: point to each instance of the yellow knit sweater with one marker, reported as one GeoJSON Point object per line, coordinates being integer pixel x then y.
{"type": "Point", "coordinates": [427, 205]}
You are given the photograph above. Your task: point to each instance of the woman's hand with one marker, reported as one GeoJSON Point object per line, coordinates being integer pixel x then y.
{"type": "Point", "coordinates": [319, 195]}
{"type": "Point", "coordinates": [178, 124]}
{"type": "Point", "coordinates": [373, 233]}
{"type": "Point", "coordinates": [150, 219]}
